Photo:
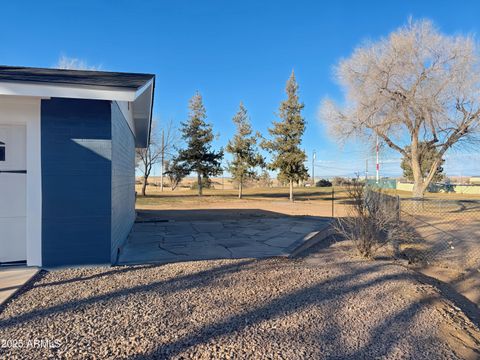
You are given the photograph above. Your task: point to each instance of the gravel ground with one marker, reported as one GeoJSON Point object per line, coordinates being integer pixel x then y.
{"type": "Point", "coordinates": [324, 306]}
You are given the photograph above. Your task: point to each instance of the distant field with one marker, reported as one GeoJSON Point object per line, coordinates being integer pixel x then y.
{"type": "Point", "coordinates": [308, 201]}
{"type": "Point", "coordinates": [277, 193]}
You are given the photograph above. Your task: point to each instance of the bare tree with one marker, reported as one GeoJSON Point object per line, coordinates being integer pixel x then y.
{"type": "Point", "coordinates": [167, 141]}
{"type": "Point", "coordinates": [417, 85]}
{"type": "Point", "coordinates": [155, 153]}
{"type": "Point", "coordinates": [147, 158]}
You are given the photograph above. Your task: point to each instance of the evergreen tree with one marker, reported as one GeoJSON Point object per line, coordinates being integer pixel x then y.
{"type": "Point", "coordinates": [288, 157]}
{"type": "Point", "coordinates": [428, 153]}
{"type": "Point", "coordinates": [199, 156]}
{"type": "Point", "coordinates": [244, 149]}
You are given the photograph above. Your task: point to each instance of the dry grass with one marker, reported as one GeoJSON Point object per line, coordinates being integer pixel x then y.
{"type": "Point", "coordinates": [281, 193]}
{"type": "Point", "coordinates": [308, 201]}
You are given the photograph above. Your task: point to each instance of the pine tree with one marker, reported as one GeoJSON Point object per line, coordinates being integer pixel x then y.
{"type": "Point", "coordinates": [244, 150]}
{"type": "Point", "coordinates": [288, 157]}
{"type": "Point", "coordinates": [428, 153]}
{"type": "Point", "coordinates": [199, 156]}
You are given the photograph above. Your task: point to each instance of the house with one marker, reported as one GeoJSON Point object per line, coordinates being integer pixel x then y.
{"type": "Point", "coordinates": [67, 162]}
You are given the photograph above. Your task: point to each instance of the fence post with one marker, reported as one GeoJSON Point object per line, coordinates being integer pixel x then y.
{"type": "Point", "coordinates": [399, 209]}
{"type": "Point", "coordinates": [333, 202]}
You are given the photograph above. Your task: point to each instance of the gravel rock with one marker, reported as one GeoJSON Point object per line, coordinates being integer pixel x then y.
{"type": "Point", "coordinates": [235, 309]}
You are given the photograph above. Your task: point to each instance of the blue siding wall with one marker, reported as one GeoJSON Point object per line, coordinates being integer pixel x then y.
{"type": "Point", "coordinates": [123, 180]}
{"type": "Point", "coordinates": [76, 181]}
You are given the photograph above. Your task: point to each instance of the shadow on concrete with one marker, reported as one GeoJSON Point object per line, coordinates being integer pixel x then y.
{"type": "Point", "coordinates": [213, 215]}
{"type": "Point", "coordinates": [166, 236]}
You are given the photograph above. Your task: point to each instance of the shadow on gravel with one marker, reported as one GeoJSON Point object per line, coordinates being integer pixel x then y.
{"type": "Point", "coordinates": [384, 336]}
{"type": "Point", "coordinates": [115, 271]}
{"type": "Point", "coordinates": [389, 329]}
{"type": "Point", "coordinates": [277, 307]}
{"type": "Point", "coordinates": [447, 290]}
{"type": "Point", "coordinates": [179, 283]}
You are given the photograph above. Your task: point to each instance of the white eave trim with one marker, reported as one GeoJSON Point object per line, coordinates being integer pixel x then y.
{"type": "Point", "coordinates": [70, 91]}
{"type": "Point", "coordinates": [143, 88]}
{"type": "Point", "coordinates": [141, 98]}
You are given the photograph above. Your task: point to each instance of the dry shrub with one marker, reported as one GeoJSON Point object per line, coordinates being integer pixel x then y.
{"type": "Point", "coordinates": [372, 219]}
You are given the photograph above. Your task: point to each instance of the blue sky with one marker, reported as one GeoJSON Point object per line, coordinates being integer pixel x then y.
{"type": "Point", "coordinates": [229, 51]}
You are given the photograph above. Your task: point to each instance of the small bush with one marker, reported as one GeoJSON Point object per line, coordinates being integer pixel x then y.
{"type": "Point", "coordinates": [206, 184]}
{"type": "Point", "coordinates": [372, 219]}
{"type": "Point", "coordinates": [341, 181]}
{"type": "Point", "coordinates": [323, 183]}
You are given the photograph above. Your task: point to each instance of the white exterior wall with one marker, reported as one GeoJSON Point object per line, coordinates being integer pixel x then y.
{"type": "Point", "coordinates": [16, 110]}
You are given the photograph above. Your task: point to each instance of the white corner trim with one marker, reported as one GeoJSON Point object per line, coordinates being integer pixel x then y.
{"type": "Point", "coordinates": [34, 189]}
{"type": "Point", "coordinates": [126, 109]}
{"type": "Point", "coordinates": [67, 91]}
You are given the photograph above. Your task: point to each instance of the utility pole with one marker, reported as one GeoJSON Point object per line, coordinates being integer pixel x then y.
{"type": "Point", "coordinates": [223, 176]}
{"type": "Point", "coordinates": [162, 160]}
{"type": "Point", "coordinates": [366, 170]}
{"type": "Point", "coordinates": [378, 164]}
{"type": "Point", "coordinates": [313, 167]}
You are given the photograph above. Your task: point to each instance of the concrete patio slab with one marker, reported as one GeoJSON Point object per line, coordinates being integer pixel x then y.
{"type": "Point", "coordinates": [184, 240]}
{"type": "Point", "coordinates": [12, 279]}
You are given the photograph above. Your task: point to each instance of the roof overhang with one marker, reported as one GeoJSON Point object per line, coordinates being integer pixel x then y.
{"type": "Point", "coordinates": [141, 99]}
{"type": "Point", "coordinates": [143, 113]}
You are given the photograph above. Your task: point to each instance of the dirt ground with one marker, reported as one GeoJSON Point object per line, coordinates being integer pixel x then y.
{"type": "Point", "coordinates": [447, 244]}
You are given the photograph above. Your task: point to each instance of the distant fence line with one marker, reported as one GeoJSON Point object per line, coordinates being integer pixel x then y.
{"type": "Point", "coordinates": [433, 188]}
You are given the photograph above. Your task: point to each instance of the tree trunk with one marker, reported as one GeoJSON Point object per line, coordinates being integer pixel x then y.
{"type": "Point", "coordinates": [144, 186]}
{"type": "Point", "coordinates": [291, 190]}
{"type": "Point", "coordinates": [418, 189]}
{"type": "Point", "coordinates": [200, 188]}
{"type": "Point", "coordinates": [418, 181]}
{"type": "Point", "coordinates": [162, 161]}
{"type": "Point", "coordinates": [240, 188]}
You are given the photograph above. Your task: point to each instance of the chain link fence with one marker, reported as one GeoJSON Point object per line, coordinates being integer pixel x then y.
{"type": "Point", "coordinates": [443, 232]}
{"type": "Point", "coordinates": [435, 231]}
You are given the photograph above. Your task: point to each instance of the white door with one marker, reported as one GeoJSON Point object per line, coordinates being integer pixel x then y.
{"type": "Point", "coordinates": [13, 175]}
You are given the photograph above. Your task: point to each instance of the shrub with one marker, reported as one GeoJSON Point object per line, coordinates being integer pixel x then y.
{"type": "Point", "coordinates": [323, 183]}
{"type": "Point", "coordinates": [372, 219]}
{"type": "Point", "coordinates": [340, 181]}
{"type": "Point", "coordinates": [206, 184]}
